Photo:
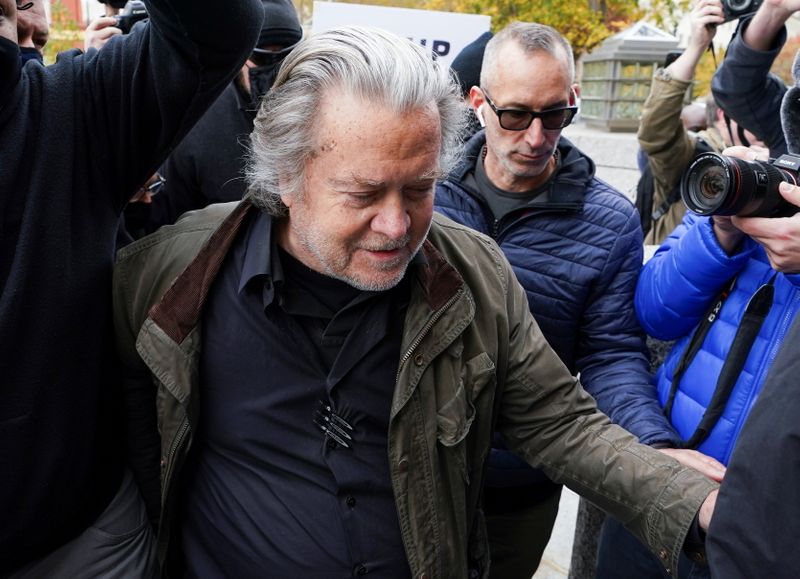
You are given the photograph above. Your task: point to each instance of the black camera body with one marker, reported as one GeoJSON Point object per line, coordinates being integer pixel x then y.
{"type": "Point", "coordinates": [133, 12]}
{"type": "Point", "coordinates": [114, 3]}
{"type": "Point", "coordinates": [718, 185]}
{"type": "Point", "coordinates": [734, 9]}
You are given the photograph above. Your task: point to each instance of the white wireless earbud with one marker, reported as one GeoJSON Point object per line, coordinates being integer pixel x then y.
{"type": "Point", "coordinates": [479, 114]}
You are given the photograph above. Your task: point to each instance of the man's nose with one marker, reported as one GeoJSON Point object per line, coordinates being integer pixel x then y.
{"type": "Point", "coordinates": [392, 219]}
{"type": "Point", "coordinates": [534, 135]}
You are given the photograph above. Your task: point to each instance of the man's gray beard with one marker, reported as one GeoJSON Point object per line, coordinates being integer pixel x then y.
{"type": "Point", "coordinates": [307, 241]}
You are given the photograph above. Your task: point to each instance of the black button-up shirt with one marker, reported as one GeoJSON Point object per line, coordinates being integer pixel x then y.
{"type": "Point", "coordinates": [285, 350]}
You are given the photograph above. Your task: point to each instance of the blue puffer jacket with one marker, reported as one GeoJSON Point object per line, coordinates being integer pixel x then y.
{"type": "Point", "coordinates": [578, 256]}
{"type": "Point", "coordinates": [676, 288]}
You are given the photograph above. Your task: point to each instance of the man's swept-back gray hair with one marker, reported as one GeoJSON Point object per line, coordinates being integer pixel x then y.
{"type": "Point", "coordinates": [531, 37]}
{"type": "Point", "coordinates": [369, 64]}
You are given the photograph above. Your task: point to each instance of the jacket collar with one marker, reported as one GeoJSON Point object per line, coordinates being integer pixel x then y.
{"type": "Point", "coordinates": [179, 310]}
{"type": "Point", "coordinates": [567, 187]}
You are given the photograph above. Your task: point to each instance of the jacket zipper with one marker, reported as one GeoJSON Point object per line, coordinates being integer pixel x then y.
{"type": "Point", "coordinates": [427, 328]}
{"type": "Point", "coordinates": [171, 457]}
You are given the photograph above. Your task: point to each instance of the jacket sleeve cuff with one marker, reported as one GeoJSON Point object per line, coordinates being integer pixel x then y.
{"type": "Point", "coordinates": [694, 546]}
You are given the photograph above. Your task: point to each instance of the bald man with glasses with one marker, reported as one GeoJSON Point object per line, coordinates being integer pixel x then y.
{"type": "Point", "coordinates": [575, 244]}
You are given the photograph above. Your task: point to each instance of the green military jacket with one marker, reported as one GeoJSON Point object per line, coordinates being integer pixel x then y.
{"type": "Point", "coordinates": [473, 359]}
{"type": "Point", "coordinates": [669, 147]}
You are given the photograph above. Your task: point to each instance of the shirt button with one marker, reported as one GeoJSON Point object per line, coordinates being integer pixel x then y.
{"type": "Point", "coordinates": [663, 554]}
{"type": "Point", "coordinates": [419, 359]}
{"type": "Point", "coordinates": [403, 465]}
{"type": "Point", "coordinates": [360, 570]}
{"type": "Point", "coordinates": [351, 502]}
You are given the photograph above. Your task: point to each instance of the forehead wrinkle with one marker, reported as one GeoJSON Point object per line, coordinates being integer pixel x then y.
{"type": "Point", "coordinates": [356, 179]}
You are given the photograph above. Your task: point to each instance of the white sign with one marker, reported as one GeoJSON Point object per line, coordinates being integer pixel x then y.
{"type": "Point", "coordinates": [443, 33]}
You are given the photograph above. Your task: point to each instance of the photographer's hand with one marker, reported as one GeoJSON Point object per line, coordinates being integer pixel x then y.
{"type": "Point", "coordinates": [703, 19]}
{"type": "Point", "coordinates": [779, 236]}
{"type": "Point", "coordinates": [728, 235]}
{"type": "Point", "coordinates": [725, 228]}
{"type": "Point", "coordinates": [99, 31]}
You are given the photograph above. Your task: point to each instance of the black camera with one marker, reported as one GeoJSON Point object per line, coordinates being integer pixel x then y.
{"type": "Point", "coordinates": [133, 12]}
{"type": "Point", "coordinates": [734, 9]}
{"type": "Point", "coordinates": [718, 185]}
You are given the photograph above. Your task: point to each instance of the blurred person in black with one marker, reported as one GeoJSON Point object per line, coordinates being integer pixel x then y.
{"type": "Point", "coordinates": [77, 139]}
{"type": "Point", "coordinates": [207, 167]}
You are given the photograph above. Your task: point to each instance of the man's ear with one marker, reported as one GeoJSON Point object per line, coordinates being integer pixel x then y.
{"type": "Point", "coordinates": [478, 101]}
{"type": "Point", "coordinates": [476, 98]}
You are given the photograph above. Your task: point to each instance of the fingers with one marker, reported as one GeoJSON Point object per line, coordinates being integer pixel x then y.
{"type": "Point", "coordinates": [703, 463]}
{"type": "Point", "coordinates": [101, 22]}
{"type": "Point", "coordinates": [779, 236]}
{"type": "Point", "coordinates": [790, 192]}
{"type": "Point", "coordinates": [100, 31]}
{"type": "Point", "coordinates": [747, 153]}
{"type": "Point", "coordinates": [708, 13]}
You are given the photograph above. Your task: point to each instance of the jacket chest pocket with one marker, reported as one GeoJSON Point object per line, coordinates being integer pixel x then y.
{"type": "Point", "coordinates": [462, 400]}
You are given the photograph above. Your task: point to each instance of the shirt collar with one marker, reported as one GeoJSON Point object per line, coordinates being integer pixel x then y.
{"type": "Point", "coordinates": [261, 257]}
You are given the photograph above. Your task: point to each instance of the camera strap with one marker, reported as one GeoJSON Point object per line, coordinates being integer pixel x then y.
{"type": "Point", "coordinates": [756, 312]}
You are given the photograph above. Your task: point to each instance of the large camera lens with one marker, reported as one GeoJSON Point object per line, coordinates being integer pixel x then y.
{"type": "Point", "coordinates": [717, 185]}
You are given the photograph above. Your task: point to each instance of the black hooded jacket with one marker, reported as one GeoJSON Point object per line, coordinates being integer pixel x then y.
{"type": "Point", "coordinates": [77, 139]}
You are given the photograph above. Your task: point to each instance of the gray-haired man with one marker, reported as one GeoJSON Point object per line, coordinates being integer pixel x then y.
{"type": "Point", "coordinates": [331, 359]}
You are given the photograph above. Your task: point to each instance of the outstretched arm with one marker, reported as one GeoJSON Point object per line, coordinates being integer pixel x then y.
{"type": "Point", "coordinates": [743, 85]}
{"type": "Point", "coordinates": [611, 355]}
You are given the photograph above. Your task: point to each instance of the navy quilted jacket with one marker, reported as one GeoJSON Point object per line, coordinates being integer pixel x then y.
{"type": "Point", "coordinates": [677, 287]}
{"type": "Point", "coordinates": [578, 256]}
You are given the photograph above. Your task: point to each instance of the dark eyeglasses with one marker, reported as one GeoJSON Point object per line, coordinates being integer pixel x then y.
{"type": "Point", "coordinates": [263, 57]}
{"type": "Point", "coordinates": [520, 120]}
{"type": "Point", "coordinates": [156, 186]}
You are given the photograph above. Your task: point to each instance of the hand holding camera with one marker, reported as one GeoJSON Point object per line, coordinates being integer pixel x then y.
{"type": "Point", "coordinates": [704, 18]}
{"type": "Point", "coordinates": [738, 184]}
{"type": "Point", "coordinates": [747, 194]}
{"type": "Point", "coordinates": [100, 31]}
